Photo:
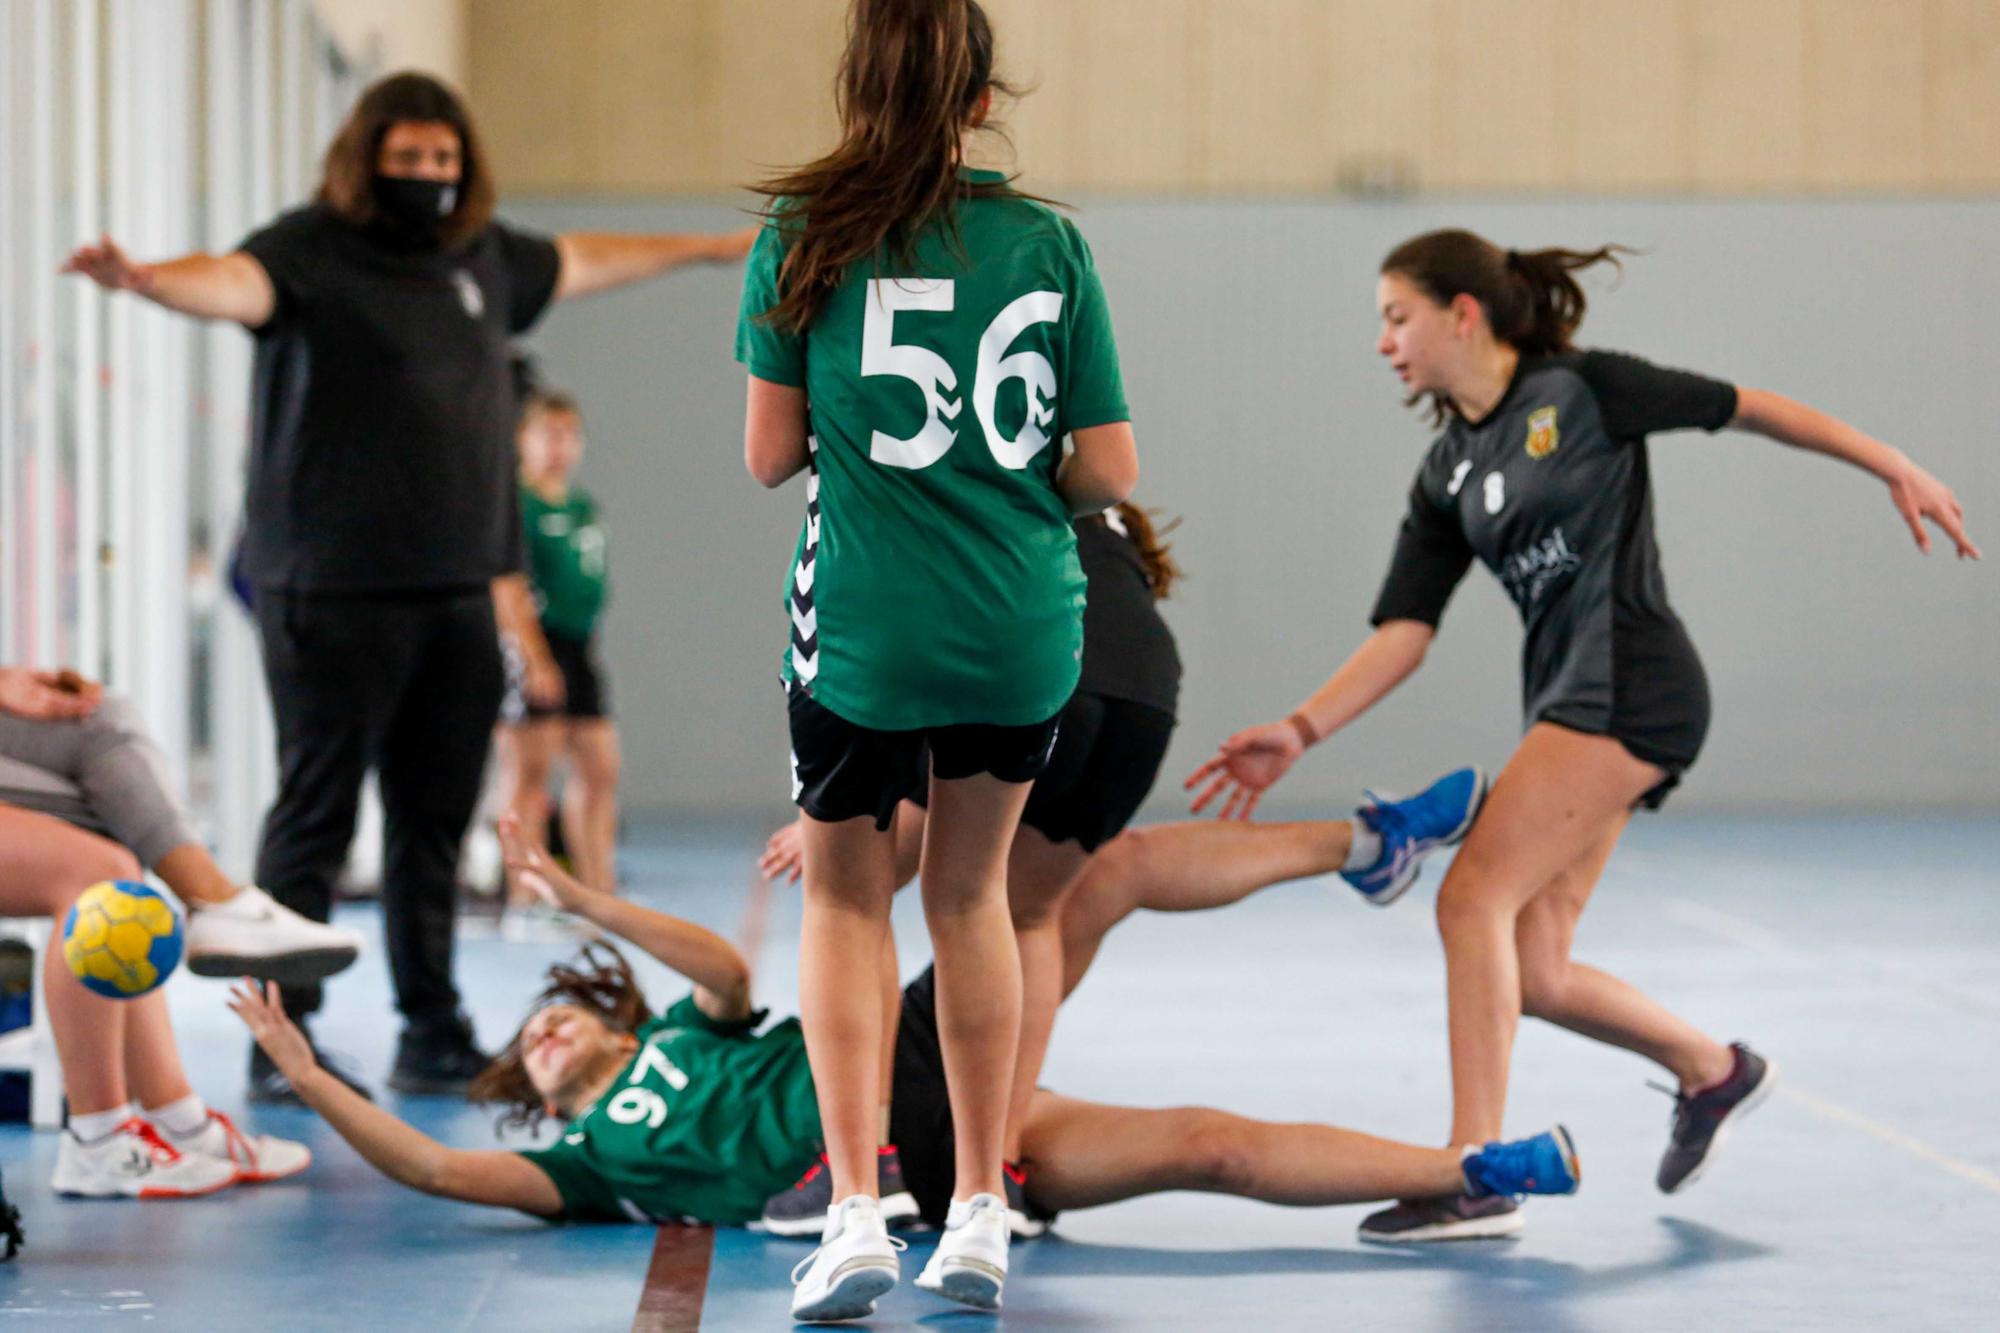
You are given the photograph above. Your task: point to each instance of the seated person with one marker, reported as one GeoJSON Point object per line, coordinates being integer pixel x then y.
{"type": "Point", "coordinates": [136, 1129]}
{"type": "Point", "coordinates": [111, 780]}
{"type": "Point", "coordinates": [695, 1113]}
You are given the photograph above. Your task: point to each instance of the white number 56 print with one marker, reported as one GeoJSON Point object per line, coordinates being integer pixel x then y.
{"type": "Point", "coordinates": [881, 354]}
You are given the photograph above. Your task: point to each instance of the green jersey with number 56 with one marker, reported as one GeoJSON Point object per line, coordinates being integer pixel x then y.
{"type": "Point", "coordinates": [936, 581]}
{"type": "Point", "coordinates": [708, 1121]}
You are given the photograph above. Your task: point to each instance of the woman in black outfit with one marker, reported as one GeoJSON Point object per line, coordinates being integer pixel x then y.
{"type": "Point", "coordinates": [1541, 472]}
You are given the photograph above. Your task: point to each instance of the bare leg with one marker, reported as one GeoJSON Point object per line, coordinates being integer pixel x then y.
{"type": "Point", "coordinates": [849, 880]}
{"type": "Point", "coordinates": [964, 876]}
{"type": "Point", "coordinates": [1189, 867]}
{"type": "Point", "coordinates": [194, 876]}
{"type": "Point", "coordinates": [1084, 1154]}
{"type": "Point", "coordinates": [590, 803]}
{"type": "Point", "coordinates": [891, 979]}
{"type": "Point", "coordinates": [1597, 1004]}
{"type": "Point", "coordinates": [1563, 795]}
{"type": "Point", "coordinates": [1039, 876]}
{"type": "Point", "coordinates": [44, 865]}
{"type": "Point", "coordinates": [527, 760]}
{"type": "Point", "coordinates": [152, 1061]}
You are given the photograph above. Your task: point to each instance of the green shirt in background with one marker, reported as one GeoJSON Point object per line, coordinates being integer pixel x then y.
{"type": "Point", "coordinates": [708, 1121]}
{"type": "Point", "coordinates": [566, 561]}
{"type": "Point", "coordinates": [936, 579]}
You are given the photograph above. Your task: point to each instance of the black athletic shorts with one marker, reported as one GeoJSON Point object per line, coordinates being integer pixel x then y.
{"type": "Point", "coordinates": [584, 691]}
{"type": "Point", "coordinates": [920, 1106]}
{"type": "Point", "coordinates": [841, 770]}
{"type": "Point", "coordinates": [1108, 754]}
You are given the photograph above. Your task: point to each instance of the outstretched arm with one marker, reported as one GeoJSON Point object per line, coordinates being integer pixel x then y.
{"type": "Point", "coordinates": [1246, 764]}
{"type": "Point", "coordinates": [1917, 495]}
{"type": "Point", "coordinates": [595, 261]}
{"type": "Point", "coordinates": [232, 286]}
{"type": "Point", "coordinates": [399, 1151]}
{"type": "Point", "coordinates": [720, 974]}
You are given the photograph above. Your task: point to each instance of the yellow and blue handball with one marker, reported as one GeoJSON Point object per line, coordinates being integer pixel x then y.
{"type": "Point", "coordinates": [121, 939]}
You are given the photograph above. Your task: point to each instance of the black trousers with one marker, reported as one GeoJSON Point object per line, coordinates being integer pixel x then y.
{"type": "Point", "coordinates": [410, 686]}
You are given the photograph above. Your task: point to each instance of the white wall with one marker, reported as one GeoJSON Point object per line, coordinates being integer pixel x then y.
{"type": "Point", "coordinates": [1848, 671]}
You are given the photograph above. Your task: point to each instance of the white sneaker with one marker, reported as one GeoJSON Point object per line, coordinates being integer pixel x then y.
{"type": "Point", "coordinates": [852, 1268]}
{"type": "Point", "coordinates": [134, 1162]}
{"type": "Point", "coordinates": [252, 935]}
{"type": "Point", "coordinates": [970, 1262]}
{"type": "Point", "coordinates": [253, 1157]}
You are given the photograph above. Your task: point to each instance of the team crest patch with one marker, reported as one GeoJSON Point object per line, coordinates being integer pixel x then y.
{"type": "Point", "coordinates": [1542, 434]}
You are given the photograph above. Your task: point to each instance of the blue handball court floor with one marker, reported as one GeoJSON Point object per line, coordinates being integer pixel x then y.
{"type": "Point", "coordinates": [1863, 954]}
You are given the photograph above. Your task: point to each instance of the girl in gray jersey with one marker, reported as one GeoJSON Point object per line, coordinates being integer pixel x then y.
{"type": "Point", "coordinates": [1541, 472]}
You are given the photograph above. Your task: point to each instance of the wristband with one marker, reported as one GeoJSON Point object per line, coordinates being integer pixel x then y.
{"type": "Point", "coordinates": [1307, 736]}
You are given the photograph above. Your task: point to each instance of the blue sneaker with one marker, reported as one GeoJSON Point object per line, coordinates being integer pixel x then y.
{"type": "Point", "coordinates": [1414, 827]}
{"type": "Point", "coordinates": [1545, 1164]}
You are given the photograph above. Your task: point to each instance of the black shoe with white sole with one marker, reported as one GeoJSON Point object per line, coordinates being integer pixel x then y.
{"type": "Point", "coordinates": [1455, 1217]}
{"type": "Point", "coordinates": [1701, 1119]}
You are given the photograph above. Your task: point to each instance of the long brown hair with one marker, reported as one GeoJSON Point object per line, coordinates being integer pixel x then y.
{"type": "Point", "coordinates": [909, 83]}
{"type": "Point", "coordinates": [1155, 556]}
{"type": "Point", "coordinates": [1530, 297]}
{"type": "Point", "coordinates": [599, 981]}
{"type": "Point", "coordinates": [347, 177]}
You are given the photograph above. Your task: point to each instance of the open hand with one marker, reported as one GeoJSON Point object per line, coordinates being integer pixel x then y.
{"type": "Point", "coordinates": [1244, 766]}
{"type": "Point", "coordinates": [48, 696]}
{"type": "Point", "coordinates": [264, 1014]}
{"type": "Point", "coordinates": [1917, 496]}
{"type": "Point", "coordinates": [530, 866]}
{"type": "Point", "coordinates": [109, 267]}
{"type": "Point", "coordinates": [784, 854]}
{"type": "Point", "coordinates": [542, 681]}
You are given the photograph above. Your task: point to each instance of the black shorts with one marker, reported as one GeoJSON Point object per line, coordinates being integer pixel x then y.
{"type": "Point", "coordinates": [1108, 754]}
{"type": "Point", "coordinates": [920, 1105]}
{"type": "Point", "coordinates": [841, 770]}
{"type": "Point", "coordinates": [584, 691]}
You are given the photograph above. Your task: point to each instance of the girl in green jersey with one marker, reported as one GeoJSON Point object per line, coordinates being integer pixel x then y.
{"type": "Point", "coordinates": [919, 337]}
{"type": "Point", "coordinates": [695, 1113]}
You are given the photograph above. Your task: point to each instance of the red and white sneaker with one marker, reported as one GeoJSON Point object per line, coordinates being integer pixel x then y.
{"type": "Point", "coordinates": [134, 1162]}
{"type": "Point", "coordinates": [253, 1157]}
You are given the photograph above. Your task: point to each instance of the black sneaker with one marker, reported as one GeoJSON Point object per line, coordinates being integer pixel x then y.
{"type": "Point", "coordinates": [1699, 1120]}
{"type": "Point", "coordinates": [801, 1210]}
{"type": "Point", "coordinates": [1025, 1219]}
{"type": "Point", "coordinates": [437, 1060]}
{"type": "Point", "coordinates": [270, 1087]}
{"type": "Point", "coordinates": [1458, 1217]}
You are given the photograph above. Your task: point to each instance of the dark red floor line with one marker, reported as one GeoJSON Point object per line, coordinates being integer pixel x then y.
{"type": "Point", "coordinates": [676, 1281]}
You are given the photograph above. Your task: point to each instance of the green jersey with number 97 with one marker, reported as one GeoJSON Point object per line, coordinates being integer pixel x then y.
{"type": "Point", "coordinates": [936, 582]}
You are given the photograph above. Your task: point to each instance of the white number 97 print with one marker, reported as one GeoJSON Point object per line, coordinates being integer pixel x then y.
{"type": "Point", "coordinates": [881, 354]}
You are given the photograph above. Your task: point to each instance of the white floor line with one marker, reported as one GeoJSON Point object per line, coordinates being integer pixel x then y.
{"type": "Point", "coordinates": [1895, 1138]}
{"type": "Point", "coordinates": [1728, 926]}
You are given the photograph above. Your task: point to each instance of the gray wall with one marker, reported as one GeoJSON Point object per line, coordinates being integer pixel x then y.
{"type": "Point", "coordinates": [1848, 671]}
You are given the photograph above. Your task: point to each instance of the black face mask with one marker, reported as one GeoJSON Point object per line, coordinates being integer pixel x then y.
{"type": "Point", "coordinates": [415, 208]}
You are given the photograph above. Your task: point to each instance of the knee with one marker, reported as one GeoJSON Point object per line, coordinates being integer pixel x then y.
{"type": "Point", "coordinates": [1462, 906]}
{"type": "Point", "coordinates": [1544, 984]}
{"type": "Point", "coordinates": [1214, 1153]}
{"type": "Point", "coordinates": [102, 860]}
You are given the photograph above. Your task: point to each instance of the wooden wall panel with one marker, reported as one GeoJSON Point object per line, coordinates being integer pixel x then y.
{"type": "Point", "coordinates": [1383, 73]}
{"type": "Point", "coordinates": [1962, 94]}
{"type": "Point", "coordinates": [1864, 93]}
{"type": "Point", "coordinates": [1304, 96]}
{"type": "Point", "coordinates": [1749, 94]}
{"type": "Point", "coordinates": [1269, 121]}
{"type": "Point", "coordinates": [1625, 124]}
{"type": "Point", "coordinates": [1501, 71]}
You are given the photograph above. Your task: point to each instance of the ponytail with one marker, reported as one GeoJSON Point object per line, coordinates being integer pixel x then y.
{"type": "Point", "coordinates": [910, 81]}
{"type": "Point", "coordinates": [1155, 556]}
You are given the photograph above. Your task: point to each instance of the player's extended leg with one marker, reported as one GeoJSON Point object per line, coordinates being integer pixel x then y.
{"type": "Point", "coordinates": [1040, 874]}
{"type": "Point", "coordinates": [1563, 796]}
{"type": "Point", "coordinates": [1189, 867]}
{"type": "Point", "coordinates": [1085, 1154]}
{"type": "Point", "coordinates": [964, 880]}
{"type": "Point", "coordinates": [849, 880]}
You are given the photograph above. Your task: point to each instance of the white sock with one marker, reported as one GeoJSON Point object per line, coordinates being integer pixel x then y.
{"type": "Point", "coordinates": [187, 1116]}
{"type": "Point", "coordinates": [100, 1124]}
{"type": "Point", "coordinates": [1364, 847]}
